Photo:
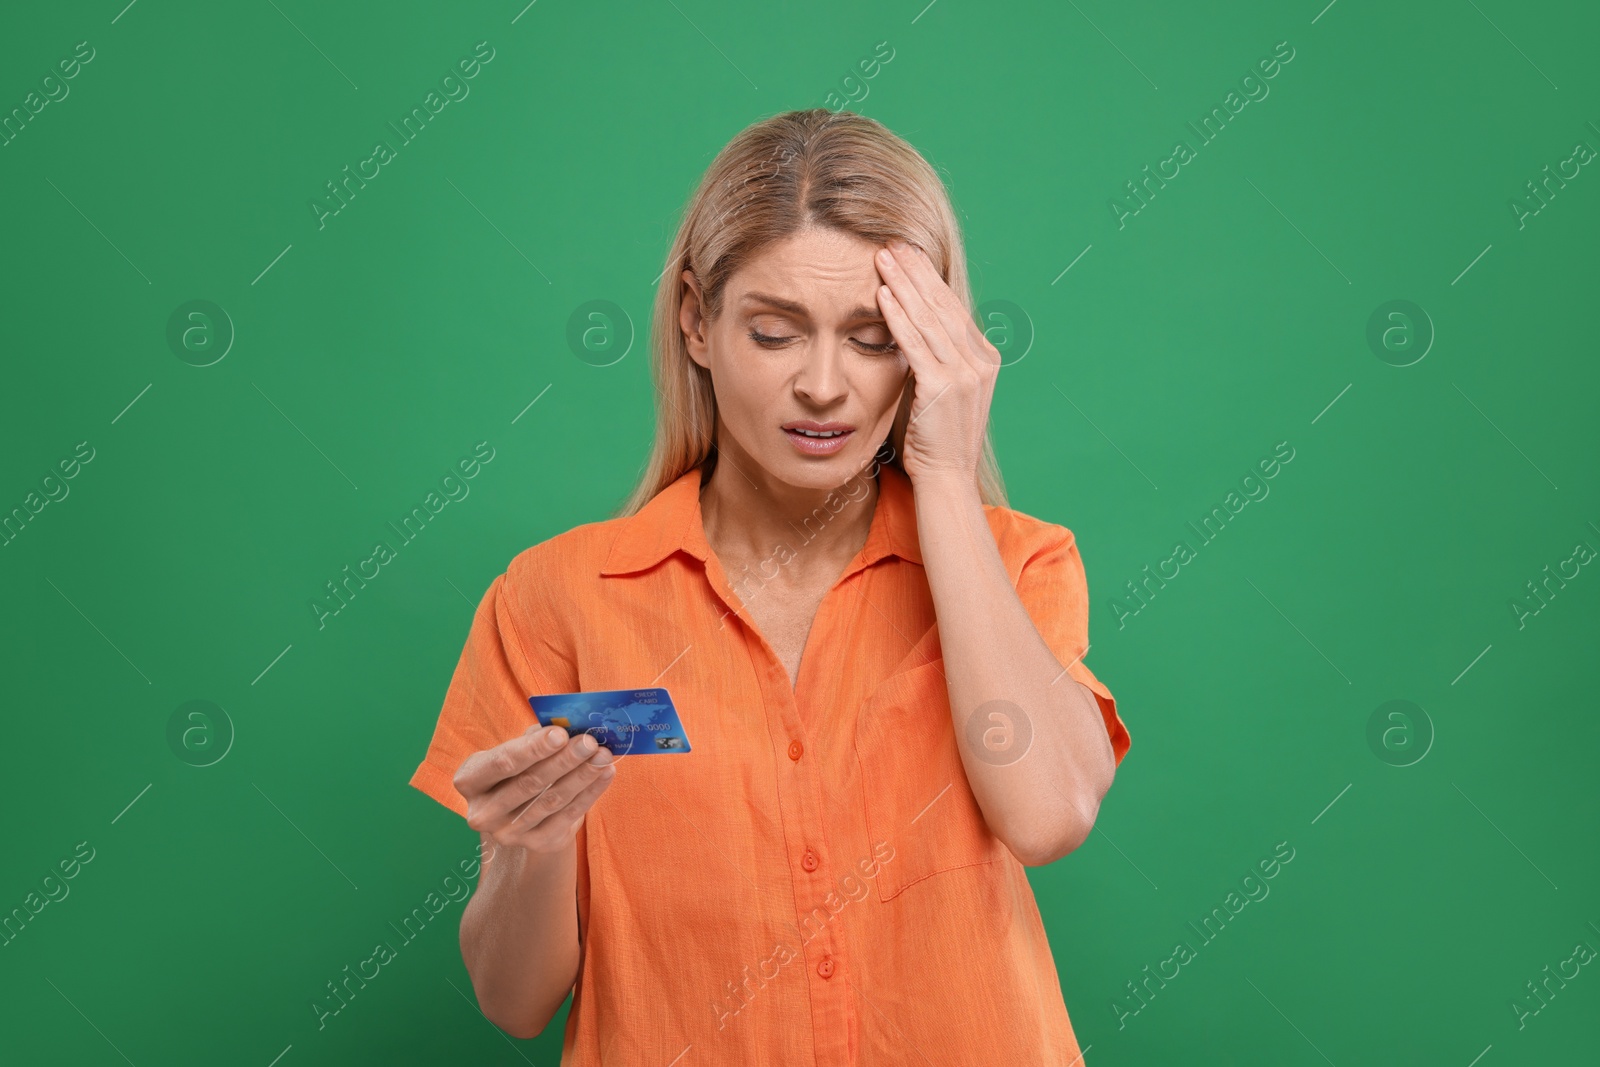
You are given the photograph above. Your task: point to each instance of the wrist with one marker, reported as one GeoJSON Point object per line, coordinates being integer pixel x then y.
{"type": "Point", "coordinates": [954, 486]}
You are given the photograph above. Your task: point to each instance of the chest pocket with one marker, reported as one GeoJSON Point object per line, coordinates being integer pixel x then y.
{"type": "Point", "coordinates": [916, 791]}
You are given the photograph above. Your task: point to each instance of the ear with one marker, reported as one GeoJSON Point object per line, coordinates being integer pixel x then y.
{"type": "Point", "coordinates": [691, 320]}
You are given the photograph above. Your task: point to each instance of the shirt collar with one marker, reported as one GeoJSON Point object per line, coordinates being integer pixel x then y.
{"type": "Point", "coordinates": [670, 522]}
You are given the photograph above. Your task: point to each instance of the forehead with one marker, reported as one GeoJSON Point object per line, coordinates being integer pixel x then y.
{"type": "Point", "coordinates": [821, 270]}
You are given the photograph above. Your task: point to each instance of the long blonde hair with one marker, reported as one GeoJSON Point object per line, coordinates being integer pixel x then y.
{"type": "Point", "coordinates": [799, 169]}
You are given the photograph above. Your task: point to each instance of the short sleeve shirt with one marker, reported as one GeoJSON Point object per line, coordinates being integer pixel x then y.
{"type": "Point", "coordinates": [814, 881]}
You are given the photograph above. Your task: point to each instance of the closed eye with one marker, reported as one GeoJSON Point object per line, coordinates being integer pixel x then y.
{"type": "Point", "coordinates": [778, 342]}
{"type": "Point", "coordinates": [890, 347]}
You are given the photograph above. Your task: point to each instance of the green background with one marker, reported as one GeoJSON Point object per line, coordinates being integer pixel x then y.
{"type": "Point", "coordinates": [1228, 315]}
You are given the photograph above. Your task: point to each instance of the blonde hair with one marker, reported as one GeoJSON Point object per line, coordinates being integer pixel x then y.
{"type": "Point", "coordinates": [799, 169]}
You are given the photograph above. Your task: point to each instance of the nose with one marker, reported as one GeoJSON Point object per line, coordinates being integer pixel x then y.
{"type": "Point", "coordinates": [820, 379]}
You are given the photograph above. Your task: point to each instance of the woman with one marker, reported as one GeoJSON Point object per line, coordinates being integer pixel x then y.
{"type": "Point", "coordinates": [833, 873]}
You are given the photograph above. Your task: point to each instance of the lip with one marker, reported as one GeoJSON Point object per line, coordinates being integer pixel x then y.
{"type": "Point", "coordinates": [819, 427]}
{"type": "Point", "coordinates": [818, 446]}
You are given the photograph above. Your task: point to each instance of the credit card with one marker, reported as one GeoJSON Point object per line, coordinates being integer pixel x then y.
{"type": "Point", "coordinates": [630, 722]}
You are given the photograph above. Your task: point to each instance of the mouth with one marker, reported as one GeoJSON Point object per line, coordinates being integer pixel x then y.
{"type": "Point", "coordinates": [818, 438]}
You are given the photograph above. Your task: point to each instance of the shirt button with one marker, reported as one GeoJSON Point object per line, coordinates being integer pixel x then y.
{"type": "Point", "coordinates": [825, 968]}
{"type": "Point", "coordinates": [809, 860]}
{"type": "Point", "coordinates": [795, 748]}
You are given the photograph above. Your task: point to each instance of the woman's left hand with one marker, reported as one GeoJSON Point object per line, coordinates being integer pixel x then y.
{"type": "Point", "coordinates": [953, 365]}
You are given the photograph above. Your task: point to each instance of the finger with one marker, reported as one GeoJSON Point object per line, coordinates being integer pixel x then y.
{"type": "Point", "coordinates": [510, 795]}
{"type": "Point", "coordinates": [482, 771]}
{"type": "Point", "coordinates": [963, 332]}
{"type": "Point", "coordinates": [554, 830]}
{"type": "Point", "coordinates": [550, 801]}
{"type": "Point", "coordinates": [924, 364]}
{"type": "Point", "coordinates": [983, 347]}
{"type": "Point", "coordinates": [919, 311]}
{"type": "Point", "coordinates": [491, 810]}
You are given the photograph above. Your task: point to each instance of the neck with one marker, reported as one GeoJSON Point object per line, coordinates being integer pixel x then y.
{"type": "Point", "coordinates": [748, 515]}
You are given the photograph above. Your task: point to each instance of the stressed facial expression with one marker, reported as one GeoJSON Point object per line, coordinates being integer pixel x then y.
{"type": "Point", "coordinates": [805, 369]}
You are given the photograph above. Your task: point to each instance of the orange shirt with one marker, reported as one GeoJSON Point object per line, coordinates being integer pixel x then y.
{"type": "Point", "coordinates": [813, 882]}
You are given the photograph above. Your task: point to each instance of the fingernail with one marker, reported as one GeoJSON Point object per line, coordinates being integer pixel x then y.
{"type": "Point", "coordinates": [587, 744]}
{"type": "Point", "coordinates": [558, 737]}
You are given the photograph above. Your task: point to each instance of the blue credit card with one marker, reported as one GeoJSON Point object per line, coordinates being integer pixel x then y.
{"type": "Point", "coordinates": [630, 722]}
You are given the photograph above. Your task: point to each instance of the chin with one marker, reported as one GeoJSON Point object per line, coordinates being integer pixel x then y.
{"type": "Point", "coordinates": [823, 472]}
{"type": "Point", "coordinates": [783, 461]}
{"type": "Point", "coordinates": [814, 475]}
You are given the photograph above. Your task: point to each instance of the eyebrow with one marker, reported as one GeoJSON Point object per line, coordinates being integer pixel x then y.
{"type": "Point", "coordinates": [855, 314]}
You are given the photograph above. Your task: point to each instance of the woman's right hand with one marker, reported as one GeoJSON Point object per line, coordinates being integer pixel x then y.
{"type": "Point", "coordinates": [532, 791]}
